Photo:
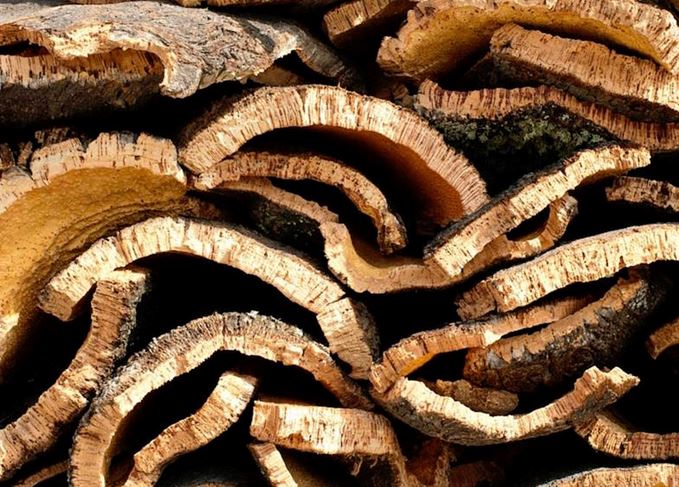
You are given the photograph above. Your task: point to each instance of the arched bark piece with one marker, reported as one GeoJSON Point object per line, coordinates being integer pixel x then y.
{"type": "Point", "coordinates": [652, 475]}
{"type": "Point", "coordinates": [355, 20]}
{"type": "Point", "coordinates": [183, 39]}
{"type": "Point", "coordinates": [90, 189]}
{"type": "Point", "coordinates": [605, 433]}
{"type": "Point", "coordinates": [443, 417]}
{"type": "Point", "coordinates": [346, 325]}
{"type": "Point", "coordinates": [658, 194]}
{"type": "Point", "coordinates": [663, 338]}
{"type": "Point", "coordinates": [182, 350]}
{"type": "Point", "coordinates": [443, 107]}
{"type": "Point", "coordinates": [114, 315]}
{"type": "Point", "coordinates": [366, 437]}
{"type": "Point", "coordinates": [221, 410]}
{"type": "Point", "coordinates": [366, 196]}
{"type": "Point", "coordinates": [460, 243]}
{"type": "Point", "coordinates": [594, 335]}
{"type": "Point", "coordinates": [413, 352]}
{"type": "Point", "coordinates": [492, 401]}
{"type": "Point", "coordinates": [42, 475]}
{"type": "Point", "coordinates": [638, 88]}
{"type": "Point", "coordinates": [583, 260]}
{"type": "Point", "coordinates": [450, 185]}
{"type": "Point", "coordinates": [272, 465]}
{"type": "Point", "coordinates": [441, 36]}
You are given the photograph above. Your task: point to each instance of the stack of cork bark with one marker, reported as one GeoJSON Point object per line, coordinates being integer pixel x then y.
{"type": "Point", "coordinates": [339, 242]}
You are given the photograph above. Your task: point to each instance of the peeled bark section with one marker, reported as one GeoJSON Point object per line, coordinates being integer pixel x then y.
{"type": "Point", "coordinates": [114, 315]}
{"type": "Point", "coordinates": [594, 335]}
{"type": "Point", "coordinates": [657, 194]}
{"type": "Point", "coordinates": [583, 260]}
{"type": "Point", "coordinates": [43, 474]}
{"type": "Point", "coordinates": [354, 21]}
{"type": "Point", "coordinates": [460, 243]}
{"type": "Point", "coordinates": [652, 475]}
{"type": "Point", "coordinates": [90, 189]}
{"type": "Point", "coordinates": [413, 352]}
{"type": "Point", "coordinates": [364, 437]}
{"type": "Point", "coordinates": [449, 185]}
{"type": "Point", "coordinates": [272, 465]}
{"type": "Point", "coordinates": [483, 399]}
{"type": "Point", "coordinates": [441, 36]}
{"type": "Point", "coordinates": [182, 350]}
{"type": "Point", "coordinates": [182, 39]}
{"type": "Point", "coordinates": [367, 197]}
{"type": "Point", "coordinates": [605, 433]}
{"type": "Point", "coordinates": [663, 338]}
{"type": "Point", "coordinates": [346, 325]}
{"type": "Point", "coordinates": [443, 417]}
{"type": "Point", "coordinates": [638, 88]}
{"type": "Point", "coordinates": [494, 106]}
{"type": "Point", "coordinates": [222, 409]}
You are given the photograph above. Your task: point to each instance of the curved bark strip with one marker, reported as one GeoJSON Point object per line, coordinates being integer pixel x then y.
{"type": "Point", "coordinates": [593, 335]}
{"type": "Point", "coordinates": [354, 20]}
{"type": "Point", "coordinates": [638, 88]}
{"type": "Point", "coordinates": [114, 315]}
{"type": "Point", "coordinates": [272, 465]}
{"type": "Point", "coordinates": [366, 437]}
{"type": "Point", "coordinates": [583, 260]}
{"type": "Point", "coordinates": [222, 409]}
{"type": "Point", "coordinates": [443, 417]}
{"type": "Point", "coordinates": [658, 194]}
{"type": "Point", "coordinates": [182, 39]}
{"type": "Point", "coordinates": [346, 325]}
{"type": "Point", "coordinates": [492, 401]}
{"type": "Point", "coordinates": [181, 351]}
{"type": "Point", "coordinates": [652, 475]}
{"type": "Point", "coordinates": [441, 36]}
{"type": "Point", "coordinates": [663, 338]}
{"type": "Point", "coordinates": [494, 105]}
{"type": "Point", "coordinates": [607, 434]}
{"type": "Point", "coordinates": [42, 475]}
{"type": "Point", "coordinates": [90, 190]}
{"type": "Point", "coordinates": [460, 243]}
{"type": "Point", "coordinates": [450, 185]}
{"type": "Point", "coordinates": [367, 197]}
{"type": "Point", "coordinates": [413, 352]}
{"type": "Point", "coordinates": [42, 88]}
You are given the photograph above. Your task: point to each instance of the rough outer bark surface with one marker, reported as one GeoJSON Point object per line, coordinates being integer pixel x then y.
{"type": "Point", "coordinates": [657, 194]}
{"type": "Point", "coordinates": [461, 242]}
{"type": "Point", "coordinates": [346, 325]}
{"type": "Point", "coordinates": [464, 108]}
{"type": "Point", "coordinates": [483, 399]}
{"type": "Point", "coordinates": [583, 260]}
{"type": "Point", "coordinates": [637, 88]}
{"type": "Point", "coordinates": [651, 475]}
{"type": "Point", "coordinates": [441, 36]}
{"type": "Point", "coordinates": [594, 335]}
{"type": "Point", "coordinates": [415, 404]}
{"type": "Point", "coordinates": [197, 47]}
{"type": "Point", "coordinates": [182, 350]}
{"type": "Point", "coordinates": [450, 185]}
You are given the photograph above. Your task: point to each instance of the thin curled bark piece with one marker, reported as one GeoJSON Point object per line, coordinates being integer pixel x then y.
{"type": "Point", "coordinates": [651, 475]}
{"type": "Point", "coordinates": [413, 352]}
{"type": "Point", "coordinates": [594, 335]}
{"type": "Point", "coordinates": [196, 47]}
{"type": "Point", "coordinates": [346, 325]}
{"type": "Point", "coordinates": [353, 433]}
{"type": "Point", "coordinates": [182, 350]}
{"type": "Point", "coordinates": [222, 409]}
{"type": "Point", "coordinates": [638, 88]}
{"type": "Point", "coordinates": [440, 36]}
{"type": "Point", "coordinates": [438, 105]}
{"type": "Point", "coordinates": [605, 433]}
{"type": "Point", "coordinates": [449, 185]}
{"type": "Point", "coordinates": [658, 194]}
{"type": "Point", "coordinates": [459, 244]}
{"type": "Point", "coordinates": [442, 417]}
{"type": "Point", "coordinates": [367, 197]}
{"type": "Point", "coordinates": [43, 474]}
{"type": "Point", "coordinates": [583, 260]}
{"type": "Point", "coordinates": [354, 20]}
{"type": "Point", "coordinates": [663, 338]}
{"type": "Point", "coordinates": [272, 465]}
{"type": "Point", "coordinates": [492, 401]}
{"type": "Point", "coordinates": [114, 316]}
{"type": "Point", "coordinates": [90, 189]}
